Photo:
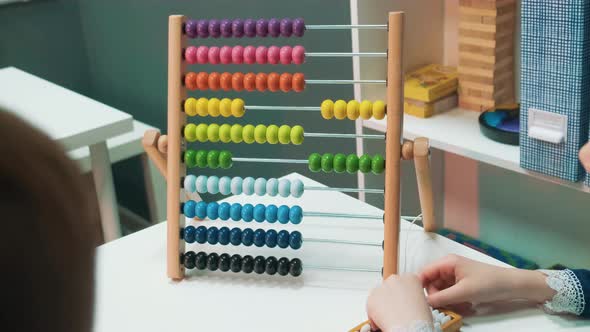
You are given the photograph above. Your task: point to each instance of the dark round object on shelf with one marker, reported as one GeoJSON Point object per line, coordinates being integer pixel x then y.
{"type": "Point", "coordinates": [501, 124]}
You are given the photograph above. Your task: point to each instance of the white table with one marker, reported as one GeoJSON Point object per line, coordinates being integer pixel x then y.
{"type": "Point", "coordinates": [74, 121]}
{"type": "Point", "coordinates": [134, 294]}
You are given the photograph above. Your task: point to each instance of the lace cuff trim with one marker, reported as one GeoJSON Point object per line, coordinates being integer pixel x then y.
{"type": "Point", "coordinates": [417, 326]}
{"type": "Point", "coordinates": [570, 295]}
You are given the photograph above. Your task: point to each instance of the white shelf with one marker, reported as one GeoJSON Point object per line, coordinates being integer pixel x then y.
{"type": "Point", "coordinates": [457, 131]}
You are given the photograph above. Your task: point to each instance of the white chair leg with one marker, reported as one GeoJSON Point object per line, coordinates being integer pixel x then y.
{"type": "Point", "coordinates": [155, 186]}
{"type": "Point", "coordinates": [105, 191]}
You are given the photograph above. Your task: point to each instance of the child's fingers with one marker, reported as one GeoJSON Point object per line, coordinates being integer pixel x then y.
{"type": "Point", "coordinates": [441, 269]}
{"type": "Point", "coordinates": [585, 156]}
{"type": "Point", "coordinates": [452, 295]}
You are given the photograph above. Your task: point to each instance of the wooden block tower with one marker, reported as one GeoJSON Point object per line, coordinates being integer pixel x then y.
{"type": "Point", "coordinates": [486, 53]}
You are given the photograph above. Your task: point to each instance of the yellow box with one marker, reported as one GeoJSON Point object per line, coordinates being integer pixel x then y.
{"type": "Point", "coordinates": [431, 83]}
{"type": "Point", "coordinates": [425, 110]}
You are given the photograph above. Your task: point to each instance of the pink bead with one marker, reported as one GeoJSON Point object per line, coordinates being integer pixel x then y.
{"type": "Point", "coordinates": [202, 54]}
{"type": "Point", "coordinates": [214, 55]}
{"type": "Point", "coordinates": [286, 55]}
{"type": "Point", "coordinates": [191, 54]}
{"type": "Point", "coordinates": [225, 55]}
{"type": "Point", "coordinates": [237, 54]}
{"type": "Point", "coordinates": [250, 55]}
{"type": "Point", "coordinates": [274, 55]}
{"type": "Point", "coordinates": [298, 54]}
{"type": "Point", "coordinates": [261, 55]}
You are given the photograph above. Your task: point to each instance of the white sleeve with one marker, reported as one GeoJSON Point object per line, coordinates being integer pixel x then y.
{"type": "Point", "coordinates": [569, 297]}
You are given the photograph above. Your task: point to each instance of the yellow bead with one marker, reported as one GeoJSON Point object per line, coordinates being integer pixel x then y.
{"type": "Point", "coordinates": [340, 109]}
{"type": "Point", "coordinates": [366, 109]}
{"type": "Point", "coordinates": [352, 110]}
{"type": "Point", "coordinates": [213, 107]}
{"type": "Point", "coordinates": [260, 134]}
{"type": "Point", "coordinates": [225, 133]}
{"type": "Point", "coordinates": [272, 134]}
{"type": "Point", "coordinates": [213, 132]}
{"type": "Point", "coordinates": [190, 107]}
{"type": "Point", "coordinates": [297, 135]}
{"type": "Point", "coordinates": [190, 132]}
{"type": "Point", "coordinates": [248, 134]}
{"type": "Point", "coordinates": [202, 106]}
{"type": "Point", "coordinates": [327, 109]}
{"type": "Point", "coordinates": [379, 109]}
{"type": "Point", "coordinates": [285, 134]}
{"type": "Point", "coordinates": [202, 132]}
{"type": "Point", "coordinates": [237, 107]}
{"type": "Point", "coordinates": [236, 133]}
{"type": "Point", "coordinates": [225, 107]}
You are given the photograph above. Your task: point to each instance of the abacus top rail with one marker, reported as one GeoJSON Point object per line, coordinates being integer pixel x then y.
{"type": "Point", "coordinates": [347, 54]}
{"type": "Point", "coordinates": [346, 26]}
{"type": "Point", "coordinates": [345, 81]}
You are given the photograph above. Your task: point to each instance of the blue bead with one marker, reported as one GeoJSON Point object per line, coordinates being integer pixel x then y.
{"type": "Point", "coordinates": [213, 235]}
{"type": "Point", "coordinates": [271, 213]}
{"type": "Point", "coordinates": [283, 214]}
{"type": "Point", "coordinates": [271, 238]}
{"type": "Point", "coordinates": [283, 239]}
{"type": "Point", "coordinates": [259, 237]}
{"type": "Point", "coordinates": [224, 210]}
{"type": "Point", "coordinates": [247, 237]}
{"type": "Point", "coordinates": [189, 209]}
{"type": "Point", "coordinates": [213, 210]}
{"type": "Point", "coordinates": [189, 234]}
{"type": "Point", "coordinates": [201, 234]}
{"type": "Point", "coordinates": [248, 212]}
{"type": "Point", "coordinates": [296, 214]}
{"type": "Point", "coordinates": [235, 236]}
{"type": "Point", "coordinates": [259, 212]}
{"type": "Point", "coordinates": [201, 210]}
{"type": "Point", "coordinates": [224, 236]}
{"type": "Point", "coordinates": [295, 240]}
{"type": "Point", "coordinates": [235, 212]}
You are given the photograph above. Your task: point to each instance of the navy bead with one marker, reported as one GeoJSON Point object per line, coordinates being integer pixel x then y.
{"type": "Point", "coordinates": [259, 265]}
{"type": "Point", "coordinates": [283, 266]}
{"type": "Point", "coordinates": [247, 264]}
{"type": "Point", "coordinates": [296, 267]}
{"type": "Point", "coordinates": [271, 213]}
{"type": "Point", "coordinates": [247, 237]}
{"type": "Point", "coordinates": [201, 210]}
{"type": "Point", "coordinates": [201, 234]}
{"type": "Point", "coordinates": [235, 264]}
{"type": "Point", "coordinates": [235, 212]}
{"type": "Point", "coordinates": [213, 235]}
{"type": "Point", "coordinates": [235, 236]}
{"type": "Point", "coordinates": [189, 260]}
{"type": "Point", "coordinates": [224, 210]}
{"type": "Point", "coordinates": [224, 262]}
{"type": "Point", "coordinates": [213, 262]}
{"type": "Point", "coordinates": [248, 212]}
{"type": "Point", "coordinates": [283, 214]}
{"type": "Point", "coordinates": [213, 210]}
{"type": "Point", "coordinates": [201, 261]}
{"type": "Point", "coordinates": [224, 236]}
{"type": "Point", "coordinates": [259, 212]}
{"type": "Point", "coordinates": [189, 234]}
{"type": "Point", "coordinates": [296, 214]}
{"type": "Point", "coordinates": [271, 265]}
{"type": "Point", "coordinates": [189, 209]}
{"type": "Point", "coordinates": [259, 237]}
{"type": "Point", "coordinates": [295, 240]}
{"type": "Point", "coordinates": [283, 239]}
{"type": "Point", "coordinates": [271, 238]}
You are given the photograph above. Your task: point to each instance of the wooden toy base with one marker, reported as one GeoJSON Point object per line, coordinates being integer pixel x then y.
{"type": "Point", "coordinates": [453, 325]}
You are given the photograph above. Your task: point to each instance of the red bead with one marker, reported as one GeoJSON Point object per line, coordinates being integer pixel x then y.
{"type": "Point", "coordinates": [286, 82]}
{"type": "Point", "coordinates": [273, 82]}
{"type": "Point", "coordinates": [225, 81]}
{"type": "Point", "coordinates": [203, 81]}
{"type": "Point", "coordinates": [214, 81]}
{"type": "Point", "coordinates": [298, 82]}
{"type": "Point", "coordinates": [261, 82]}
{"type": "Point", "coordinates": [237, 81]}
{"type": "Point", "coordinates": [250, 82]}
{"type": "Point", "coordinates": [190, 81]}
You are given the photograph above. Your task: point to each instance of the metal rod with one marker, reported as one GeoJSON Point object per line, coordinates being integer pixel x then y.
{"type": "Point", "coordinates": [282, 108]}
{"type": "Point", "coordinates": [346, 26]}
{"type": "Point", "coordinates": [347, 190]}
{"type": "Point", "coordinates": [336, 268]}
{"type": "Point", "coordinates": [359, 243]}
{"type": "Point", "coordinates": [342, 215]}
{"type": "Point", "coordinates": [344, 81]}
{"type": "Point", "coordinates": [330, 135]}
{"type": "Point", "coordinates": [271, 160]}
{"type": "Point", "coordinates": [347, 54]}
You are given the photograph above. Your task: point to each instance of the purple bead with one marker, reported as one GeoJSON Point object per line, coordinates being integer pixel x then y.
{"type": "Point", "coordinates": [214, 28]}
{"type": "Point", "coordinates": [274, 27]}
{"type": "Point", "coordinates": [262, 27]}
{"type": "Point", "coordinates": [250, 28]}
{"type": "Point", "coordinates": [298, 27]}
{"type": "Point", "coordinates": [225, 28]}
{"type": "Point", "coordinates": [238, 28]}
{"type": "Point", "coordinates": [203, 28]}
{"type": "Point", "coordinates": [190, 28]}
{"type": "Point", "coordinates": [286, 27]}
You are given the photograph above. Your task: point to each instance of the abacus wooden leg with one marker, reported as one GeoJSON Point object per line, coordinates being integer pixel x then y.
{"type": "Point", "coordinates": [150, 145]}
{"type": "Point", "coordinates": [424, 180]}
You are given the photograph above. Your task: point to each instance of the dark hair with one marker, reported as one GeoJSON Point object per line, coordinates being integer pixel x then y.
{"type": "Point", "coordinates": [46, 241]}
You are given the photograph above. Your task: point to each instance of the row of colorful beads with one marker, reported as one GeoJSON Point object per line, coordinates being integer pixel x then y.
{"type": "Point", "coordinates": [352, 109]}
{"type": "Point", "coordinates": [214, 107]}
{"type": "Point", "coordinates": [247, 186]}
{"type": "Point", "coordinates": [249, 134]}
{"type": "Point", "coordinates": [250, 55]}
{"type": "Point", "coordinates": [212, 159]}
{"type": "Point", "coordinates": [246, 264]}
{"type": "Point", "coordinates": [247, 212]}
{"type": "Point", "coordinates": [239, 28]}
{"type": "Point", "coordinates": [341, 163]}
{"type": "Point", "coordinates": [272, 82]}
{"type": "Point", "coordinates": [247, 237]}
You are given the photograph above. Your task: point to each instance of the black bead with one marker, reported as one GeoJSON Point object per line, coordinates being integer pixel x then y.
{"type": "Point", "coordinates": [247, 264]}
{"type": "Point", "coordinates": [296, 267]}
{"type": "Point", "coordinates": [189, 260]}
{"type": "Point", "coordinates": [201, 261]}
{"type": "Point", "coordinates": [271, 265]}
{"type": "Point", "coordinates": [213, 262]}
{"type": "Point", "coordinates": [224, 262]}
{"type": "Point", "coordinates": [181, 258]}
{"type": "Point", "coordinates": [235, 263]}
{"type": "Point", "coordinates": [283, 266]}
{"type": "Point", "coordinates": [259, 265]}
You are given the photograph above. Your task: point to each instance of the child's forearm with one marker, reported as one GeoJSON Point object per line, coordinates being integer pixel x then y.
{"type": "Point", "coordinates": [530, 285]}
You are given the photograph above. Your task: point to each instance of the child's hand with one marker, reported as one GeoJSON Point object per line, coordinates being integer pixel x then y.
{"type": "Point", "coordinates": [398, 302]}
{"type": "Point", "coordinates": [585, 156]}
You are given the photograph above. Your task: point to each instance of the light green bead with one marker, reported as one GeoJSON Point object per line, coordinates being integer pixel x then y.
{"type": "Point", "coordinates": [297, 135]}
{"type": "Point", "coordinates": [285, 134]}
{"type": "Point", "coordinates": [225, 133]}
{"type": "Point", "coordinates": [248, 134]}
{"type": "Point", "coordinates": [202, 132]}
{"type": "Point", "coordinates": [190, 132]}
{"type": "Point", "coordinates": [236, 133]}
{"type": "Point", "coordinates": [213, 132]}
{"type": "Point", "coordinates": [260, 134]}
{"type": "Point", "coordinates": [272, 134]}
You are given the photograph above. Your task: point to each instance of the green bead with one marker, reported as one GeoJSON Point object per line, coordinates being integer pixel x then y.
{"type": "Point", "coordinates": [352, 163]}
{"type": "Point", "coordinates": [190, 158]}
{"type": "Point", "coordinates": [225, 159]}
{"type": "Point", "coordinates": [272, 134]}
{"type": "Point", "coordinates": [225, 133]}
{"type": "Point", "coordinates": [315, 162]}
{"type": "Point", "coordinates": [248, 134]}
{"type": "Point", "coordinates": [202, 132]}
{"type": "Point", "coordinates": [236, 133]}
{"type": "Point", "coordinates": [260, 134]}
{"type": "Point", "coordinates": [213, 159]}
{"type": "Point", "coordinates": [365, 163]}
{"type": "Point", "coordinates": [297, 135]}
{"type": "Point", "coordinates": [213, 132]}
{"type": "Point", "coordinates": [339, 163]}
{"type": "Point", "coordinates": [201, 158]}
{"type": "Point", "coordinates": [327, 162]}
{"type": "Point", "coordinates": [285, 134]}
{"type": "Point", "coordinates": [190, 132]}
{"type": "Point", "coordinates": [378, 164]}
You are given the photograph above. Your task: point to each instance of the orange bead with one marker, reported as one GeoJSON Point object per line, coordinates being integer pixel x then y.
{"type": "Point", "coordinates": [273, 82]}
{"type": "Point", "coordinates": [286, 82]}
{"type": "Point", "coordinates": [250, 82]}
{"type": "Point", "coordinates": [190, 81]}
{"type": "Point", "coordinates": [298, 82]}
{"type": "Point", "coordinates": [261, 82]}
{"type": "Point", "coordinates": [237, 81]}
{"type": "Point", "coordinates": [214, 79]}
{"type": "Point", "coordinates": [225, 81]}
{"type": "Point", "coordinates": [203, 81]}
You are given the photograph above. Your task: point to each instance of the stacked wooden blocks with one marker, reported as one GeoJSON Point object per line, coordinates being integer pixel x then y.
{"type": "Point", "coordinates": [486, 53]}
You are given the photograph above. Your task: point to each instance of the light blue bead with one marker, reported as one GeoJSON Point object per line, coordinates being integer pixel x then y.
{"type": "Point", "coordinates": [189, 209]}
{"type": "Point", "coordinates": [297, 188]}
{"type": "Point", "coordinates": [201, 184]}
{"type": "Point", "coordinates": [248, 186]}
{"type": "Point", "coordinates": [236, 185]}
{"type": "Point", "coordinates": [189, 183]}
{"type": "Point", "coordinates": [225, 185]}
{"type": "Point", "coordinates": [213, 210]}
{"type": "Point", "coordinates": [283, 214]}
{"type": "Point", "coordinates": [260, 186]}
{"type": "Point", "coordinates": [235, 212]}
{"type": "Point", "coordinates": [201, 210]}
{"type": "Point", "coordinates": [224, 210]}
{"type": "Point", "coordinates": [259, 212]}
{"type": "Point", "coordinates": [296, 214]}
{"type": "Point", "coordinates": [271, 213]}
{"type": "Point", "coordinates": [272, 187]}
{"type": "Point", "coordinates": [284, 188]}
{"type": "Point", "coordinates": [213, 185]}
{"type": "Point", "coordinates": [248, 212]}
